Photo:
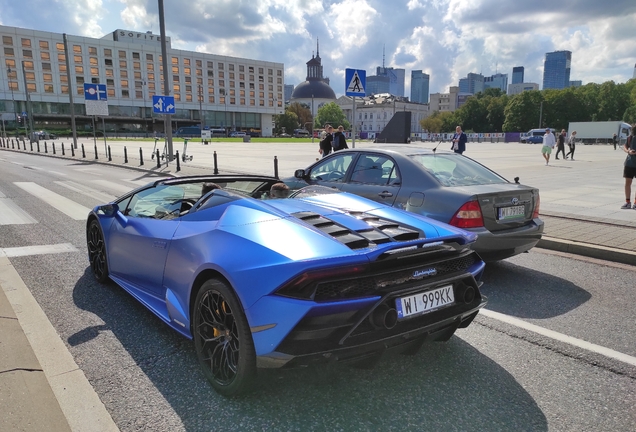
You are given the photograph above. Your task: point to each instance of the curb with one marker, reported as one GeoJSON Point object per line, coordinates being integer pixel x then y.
{"type": "Point", "coordinates": [589, 250]}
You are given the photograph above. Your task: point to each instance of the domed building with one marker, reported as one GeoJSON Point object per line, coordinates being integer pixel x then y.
{"type": "Point", "coordinates": [315, 89]}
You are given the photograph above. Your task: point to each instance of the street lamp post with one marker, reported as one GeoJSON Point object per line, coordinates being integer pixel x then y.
{"type": "Point", "coordinates": [540, 114]}
{"type": "Point", "coordinates": [201, 106]}
{"type": "Point", "coordinates": [312, 118]}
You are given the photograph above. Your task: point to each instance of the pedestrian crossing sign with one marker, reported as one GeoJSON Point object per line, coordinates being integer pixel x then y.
{"type": "Point", "coordinates": [355, 80]}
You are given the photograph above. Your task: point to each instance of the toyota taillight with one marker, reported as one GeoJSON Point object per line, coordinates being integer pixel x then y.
{"type": "Point", "coordinates": [468, 216]}
{"type": "Point", "coordinates": [537, 204]}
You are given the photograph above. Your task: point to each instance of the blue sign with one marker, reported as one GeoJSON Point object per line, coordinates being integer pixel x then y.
{"type": "Point", "coordinates": [95, 92]}
{"type": "Point", "coordinates": [24, 114]}
{"type": "Point", "coordinates": [355, 82]}
{"type": "Point", "coordinates": [163, 104]}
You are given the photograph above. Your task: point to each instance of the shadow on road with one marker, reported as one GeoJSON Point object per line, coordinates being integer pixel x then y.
{"type": "Point", "coordinates": [525, 293]}
{"type": "Point", "coordinates": [446, 386]}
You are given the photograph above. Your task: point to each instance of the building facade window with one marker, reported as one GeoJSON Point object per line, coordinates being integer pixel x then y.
{"type": "Point", "coordinates": [7, 40]}
{"type": "Point", "coordinates": [26, 43]}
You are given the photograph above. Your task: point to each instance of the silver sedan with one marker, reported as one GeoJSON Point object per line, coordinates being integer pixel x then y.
{"type": "Point", "coordinates": [442, 185]}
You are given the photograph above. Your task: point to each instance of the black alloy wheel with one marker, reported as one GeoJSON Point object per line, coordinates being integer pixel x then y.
{"type": "Point", "coordinates": [97, 251]}
{"type": "Point", "coordinates": [223, 340]}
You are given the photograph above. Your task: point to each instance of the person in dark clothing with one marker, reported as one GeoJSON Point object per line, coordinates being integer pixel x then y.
{"type": "Point", "coordinates": [459, 141]}
{"type": "Point", "coordinates": [629, 168]}
{"type": "Point", "coordinates": [339, 139]}
{"type": "Point", "coordinates": [561, 144]}
{"type": "Point", "coordinates": [325, 143]}
{"type": "Point", "coordinates": [614, 141]}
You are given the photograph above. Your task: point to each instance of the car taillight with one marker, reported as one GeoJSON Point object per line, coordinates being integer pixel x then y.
{"type": "Point", "coordinates": [537, 204]}
{"type": "Point", "coordinates": [304, 285]}
{"type": "Point", "coordinates": [468, 216]}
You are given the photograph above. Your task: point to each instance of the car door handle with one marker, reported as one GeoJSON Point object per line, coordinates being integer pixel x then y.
{"type": "Point", "coordinates": [385, 194]}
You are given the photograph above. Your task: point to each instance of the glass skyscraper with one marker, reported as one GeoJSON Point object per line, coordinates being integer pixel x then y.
{"type": "Point", "coordinates": [419, 86]}
{"type": "Point", "coordinates": [517, 74]}
{"type": "Point", "coordinates": [556, 70]}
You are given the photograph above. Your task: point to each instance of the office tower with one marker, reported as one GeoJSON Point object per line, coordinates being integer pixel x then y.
{"type": "Point", "coordinates": [497, 80]}
{"type": "Point", "coordinates": [556, 70]}
{"type": "Point", "coordinates": [289, 89]}
{"type": "Point", "coordinates": [472, 84]}
{"type": "Point", "coordinates": [419, 86]}
{"type": "Point", "coordinates": [377, 84]}
{"type": "Point", "coordinates": [517, 74]}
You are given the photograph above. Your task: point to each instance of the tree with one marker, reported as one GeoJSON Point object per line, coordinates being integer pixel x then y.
{"type": "Point", "coordinates": [302, 112]}
{"type": "Point", "coordinates": [285, 122]}
{"type": "Point", "coordinates": [331, 113]}
{"type": "Point", "coordinates": [522, 111]}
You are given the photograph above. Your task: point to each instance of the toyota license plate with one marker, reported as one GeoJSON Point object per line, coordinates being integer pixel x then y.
{"type": "Point", "coordinates": [425, 302]}
{"type": "Point", "coordinates": [512, 212]}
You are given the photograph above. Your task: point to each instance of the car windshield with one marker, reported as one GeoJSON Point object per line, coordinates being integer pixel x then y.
{"type": "Point", "coordinates": [454, 170]}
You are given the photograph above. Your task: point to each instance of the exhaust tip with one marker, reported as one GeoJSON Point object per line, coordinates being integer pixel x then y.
{"type": "Point", "coordinates": [384, 317]}
{"type": "Point", "coordinates": [466, 293]}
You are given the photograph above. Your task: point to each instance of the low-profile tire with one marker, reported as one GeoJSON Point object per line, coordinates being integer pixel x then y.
{"type": "Point", "coordinates": [223, 340]}
{"type": "Point", "coordinates": [97, 251]}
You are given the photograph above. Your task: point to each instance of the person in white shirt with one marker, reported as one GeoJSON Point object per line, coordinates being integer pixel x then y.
{"type": "Point", "coordinates": [548, 144]}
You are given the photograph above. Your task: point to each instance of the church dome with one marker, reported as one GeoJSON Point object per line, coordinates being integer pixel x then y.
{"type": "Point", "coordinates": [313, 88]}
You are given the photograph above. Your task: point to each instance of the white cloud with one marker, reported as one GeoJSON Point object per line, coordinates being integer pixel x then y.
{"type": "Point", "coordinates": [445, 38]}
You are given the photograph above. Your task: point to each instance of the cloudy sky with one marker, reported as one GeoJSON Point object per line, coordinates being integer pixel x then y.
{"type": "Point", "coordinates": [445, 38]}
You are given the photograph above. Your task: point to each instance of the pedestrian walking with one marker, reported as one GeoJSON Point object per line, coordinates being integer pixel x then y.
{"type": "Point", "coordinates": [561, 145]}
{"type": "Point", "coordinates": [339, 140]}
{"type": "Point", "coordinates": [629, 169]}
{"type": "Point", "coordinates": [459, 141]}
{"type": "Point", "coordinates": [614, 141]}
{"type": "Point", "coordinates": [571, 145]}
{"type": "Point", "coordinates": [548, 145]}
{"type": "Point", "coordinates": [325, 143]}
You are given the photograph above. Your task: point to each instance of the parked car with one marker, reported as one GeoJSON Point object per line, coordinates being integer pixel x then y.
{"type": "Point", "coordinates": [284, 135]}
{"type": "Point", "coordinates": [534, 136]}
{"type": "Point", "coordinates": [442, 185]}
{"type": "Point", "coordinates": [188, 132]}
{"type": "Point", "coordinates": [319, 276]}
{"type": "Point", "coordinates": [43, 135]}
{"type": "Point", "coordinates": [237, 134]}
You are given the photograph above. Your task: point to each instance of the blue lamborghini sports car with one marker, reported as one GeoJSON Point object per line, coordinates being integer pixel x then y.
{"type": "Point", "coordinates": [321, 275]}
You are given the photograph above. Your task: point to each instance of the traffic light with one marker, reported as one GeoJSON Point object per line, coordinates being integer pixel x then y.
{"type": "Point", "coordinates": [20, 120]}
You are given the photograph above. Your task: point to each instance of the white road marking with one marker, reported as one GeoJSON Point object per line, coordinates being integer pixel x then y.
{"type": "Point", "coordinates": [70, 208]}
{"type": "Point", "coordinates": [37, 250]}
{"type": "Point", "coordinates": [12, 214]}
{"type": "Point", "coordinates": [88, 191]}
{"type": "Point", "coordinates": [78, 400]}
{"type": "Point", "coordinates": [139, 182]}
{"type": "Point", "coordinates": [47, 170]}
{"type": "Point", "coordinates": [579, 343]}
{"type": "Point", "coordinates": [122, 189]}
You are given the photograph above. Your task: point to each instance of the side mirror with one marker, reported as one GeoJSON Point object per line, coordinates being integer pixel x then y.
{"type": "Point", "coordinates": [109, 209]}
{"type": "Point", "coordinates": [299, 174]}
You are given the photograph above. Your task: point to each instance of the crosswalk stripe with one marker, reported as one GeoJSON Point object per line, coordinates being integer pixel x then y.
{"type": "Point", "coordinates": [122, 189]}
{"type": "Point", "coordinates": [70, 208]}
{"type": "Point", "coordinates": [88, 191]}
{"type": "Point", "coordinates": [37, 250]}
{"type": "Point", "coordinates": [11, 214]}
{"type": "Point", "coordinates": [47, 170]}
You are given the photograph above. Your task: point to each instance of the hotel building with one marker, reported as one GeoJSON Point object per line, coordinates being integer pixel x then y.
{"type": "Point", "coordinates": [210, 90]}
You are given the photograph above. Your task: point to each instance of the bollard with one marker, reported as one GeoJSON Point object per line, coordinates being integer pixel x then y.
{"type": "Point", "coordinates": [46, 148]}
{"type": "Point", "coordinates": [178, 163]}
{"type": "Point", "coordinates": [216, 167]}
{"type": "Point", "coordinates": [110, 159]}
{"type": "Point", "coordinates": [38, 143]}
{"type": "Point", "coordinates": [159, 160]}
{"type": "Point", "coordinates": [12, 146]}
{"type": "Point", "coordinates": [23, 144]}
{"type": "Point", "coordinates": [125, 155]}
{"type": "Point", "coordinates": [63, 154]}
{"type": "Point", "coordinates": [31, 143]}
{"type": "Point", "coordinates": [275, 167]}
{"type": "Point", "coordinates": [53, 147]}
{"type": "Point", "coordinates": [72, 150]}
{"type": "Point", "coordinates": [96, 152]}
{"type": "Point", "coordinates": [83, 151]}
{"type": "Point", "coordinates": [141, 157]}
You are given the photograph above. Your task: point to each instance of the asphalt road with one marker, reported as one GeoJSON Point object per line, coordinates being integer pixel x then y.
{"type": "Point", "coordinates": [495, 375]}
